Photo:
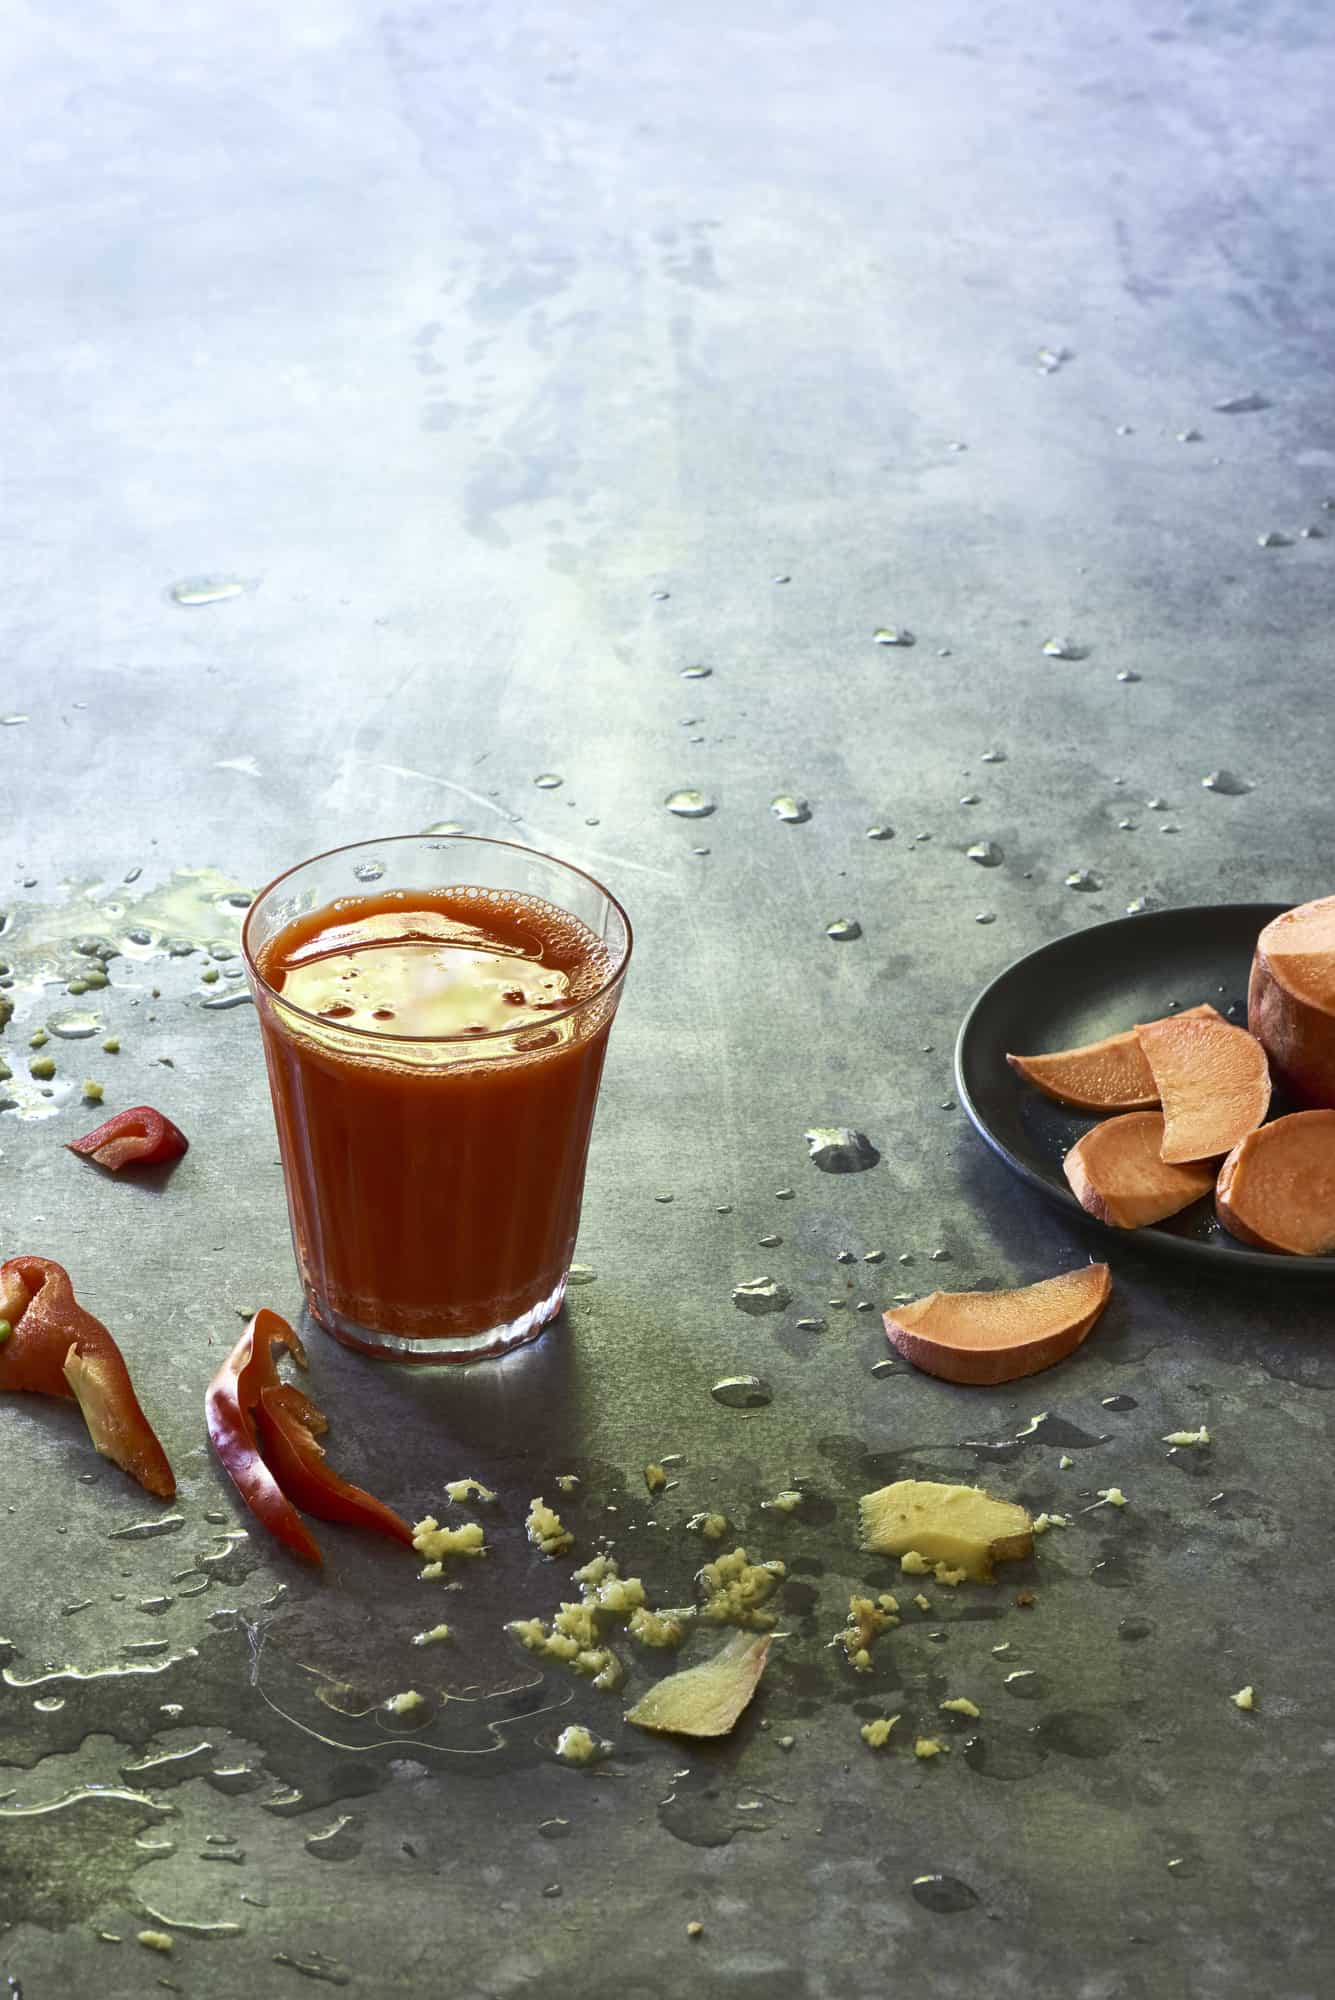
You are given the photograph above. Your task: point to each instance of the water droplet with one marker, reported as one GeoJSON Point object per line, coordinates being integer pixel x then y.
{"type": "Point", "coordinates": [206, 589]}
{"type": "Point", "coordinates": [145, 1531]}
{"type": "Point", "coordinates": [783, 1194]}
{"type": "Point", "coordinates": [986, 917]}
{"type": "Point", "coordinates": [1139, 906]}
{"type": "Point", "coordinates": [369, 871]}
{"type": "Point", "coordinates": [1065, 649]}
{"type": "Point", "coordinates": [1311, 534]}
{"type": "Point", "coordinates": [547, 781]}
{"type": "Point", "coordinates": [554, 1829]}
{"type": "Point", "coordinates": [893, 635]}
{"type": "Point", "coordinates": [696, 673]}
{"type": "Point", "coordinates": [970, 799]}
{"type": "Point", "coordinates": [581, 1274]}
{"type": "Point", "coordinates": [789, 807]}
{"type": "Point", "coordinates": [74, 1026]}
{"type": "Point", "coordinates": [1050, 359]}
{"type": "Point", "coordinates": [993, 757]}
{"type": "Point", "coordinates": [1125, 431]}
{"type": "Point", "coordinates": [660, 596]}
{"type": "Point", "coordinates": [1273, 539]}
{"type": "Point", "coordinates": [49, 1704]}
{"type": "Point", "coordinates": [880, 1368]}
{"type": "Point", "coordinates": [689, 804]}
{"type": "Point", "coordinates": [770, 1242]}
{"type": "Point", "coordinates": [1119, 1402]}
{"type": "Point", "coordinates": [940, 1256]}
{"type": "Point", "coordinates": [1084, 879]}
{"type": "Point", "coordinates": [1079, 1732]}
{"type": "Point", "coordinates": [761, 1295]}
{"type": "Point", "coordinates": [1226, 782]}
{"type": "Point", "coordinates": [12, 721]}
{"type": "Point", "coordinates": [1128, 674]}
{"type": "Point", "coordinates": [946, 1895]}
{"type": "Point", "coordinates": [220, 1003]}
{"type": "Point", "coordinates": [445, 826]}
{"type": "Point", "coordinates": [743, 1392]}
{"type": "Point", "coordinates": [781, 579]}
{"type": "Point", "coordinates": [844, 930]}
{"type": "Point", "coordinates": [987, 853]}
{"type": "Point", "coordinates": [1239, 406]}
{"type": "Point", "coordinates": [838, 1149]}
{"type": "Point", "coordinates": [1134, 1629]}
{"type": "Point", "coordinates": [1128, 825]}
{"type": "Point", "coordinates": [1188, 437]}
{"type": "Point", "coordinates": [880, 833]}
{"type": "Point", "coordinates": [811, 1325]}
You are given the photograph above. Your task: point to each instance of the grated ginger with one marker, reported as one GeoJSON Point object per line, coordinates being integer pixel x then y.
{"type": "Point", "coordinates": [734, 1590]}
{"type": "Point", "coordinates": [545, 1529]}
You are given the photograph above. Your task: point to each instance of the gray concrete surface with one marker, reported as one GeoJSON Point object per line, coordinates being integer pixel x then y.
{"type": "Point", "coordinates": [506, 357]}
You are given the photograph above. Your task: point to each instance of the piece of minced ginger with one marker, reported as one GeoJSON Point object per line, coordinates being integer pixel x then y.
{"type": "Point", "coordinates": [735, 1589]}
{"type": "Point", "coordinates": [876, 1734]}
{"type": "Point", "coordinates": [913, 1563]}
{"type": "Point", "coordinates": [712, 1526]}
{"type": "Point", "coordinates": [155, 1941]}
{"type": "Point", "coordinates": [655, 1478]}
{"type": "Point", "coordinates": [1245, 1698]}
{"type": "Point", "coordinates": [546, 1530]}
{"type": "Point", "coordinates": [431, 1637]}
{"type": "Point", "coordinates": [867, 1618]}
{"type": "Point", "coordinates": [578, 1745]}
{"type": "Point", "coordinates": [575, 1635]}
{"type": "Point", "coordinates": [930, 1746]}
{"type": "Point", "coordinates": [462, 1491]}
{"type": "Point", "coordinates": [437, 1544]}
{"type": "Point", "coordinates": [961, 1705]}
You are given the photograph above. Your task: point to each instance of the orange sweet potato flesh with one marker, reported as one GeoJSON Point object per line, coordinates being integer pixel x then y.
{"type": "Point", "coordinates": [1213, 1082]}
{"type": "Point", "coordinates": [1277, 1188]}
{"type": "Point", "coordinates": [1116, 1172]}
{"type": "Point", "coordinates": [1111, 1075]}
{"type": "Point", "coordinates": [1291, 1000]}
{"type": "Point", "coordinates": [991, 1337]}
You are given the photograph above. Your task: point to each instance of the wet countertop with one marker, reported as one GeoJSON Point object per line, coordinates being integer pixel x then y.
{"type": "Point", "coordinates": [404, 409]}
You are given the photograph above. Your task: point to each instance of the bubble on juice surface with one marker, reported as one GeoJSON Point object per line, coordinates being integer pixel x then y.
{"type": "Point", "coordinates": [369, 871]}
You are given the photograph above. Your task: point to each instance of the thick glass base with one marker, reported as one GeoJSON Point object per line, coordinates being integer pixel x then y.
{"type": "Point", "coordinates": [492, 1340]}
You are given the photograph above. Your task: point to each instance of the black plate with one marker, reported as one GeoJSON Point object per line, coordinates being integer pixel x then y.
{"type": "Point", "coordinates": [1096, 983]}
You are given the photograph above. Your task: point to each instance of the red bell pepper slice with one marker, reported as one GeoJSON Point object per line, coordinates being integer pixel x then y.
{"type": "Point", "coordinates": [56, 1348]}
{"type": "Point", "coordinates": [230, 1404]}
{"type": "Point", "coordinates": [289, 1424]}
{"type": "Point", "coordinates": [138, 1137]}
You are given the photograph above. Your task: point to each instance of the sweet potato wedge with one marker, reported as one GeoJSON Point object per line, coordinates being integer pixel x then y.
{"type": "Point", "coordinates": [1111, 1075]}
{"type": "Point", "coordinates": [1291, 1000]}
{"type": "Point", "coordinates": [1277, 1188]}
{"type": "Point", "coordinates": [1118, 1173]}
{"type": "Point", "coordinates": [990, 1337]}
{"type": "Point", "coordinates": [1212, 1080]}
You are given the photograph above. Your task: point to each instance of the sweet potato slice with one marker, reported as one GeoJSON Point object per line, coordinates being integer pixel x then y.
{"type": "Point", "coordinates": [1291, 999]}
{"type": "Point", "coordinates": [1111, 1075]}
{"type": "Point", "coordinates": [1213, 1083]}
{"type": "Point", "coordinates": [989, 1337]}
{"type": "Point", "coordinates": [1277, 1188]}
{"type": "Point", "coordinates": [1116, 1171]}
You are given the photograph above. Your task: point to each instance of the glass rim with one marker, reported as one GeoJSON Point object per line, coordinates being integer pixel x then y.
{"type": "Point", "coordinates": [374, 1037]}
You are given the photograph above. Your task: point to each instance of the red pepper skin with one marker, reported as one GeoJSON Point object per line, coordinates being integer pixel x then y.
{"type": "Point", "coordinates": [288, 1424]}
{"type": "Point", "coordinates": [59, 1349]}
{"type": "Point", "coordinates": [230, 1404]}
{"type": "Point", "coordinates": [138, 1137]}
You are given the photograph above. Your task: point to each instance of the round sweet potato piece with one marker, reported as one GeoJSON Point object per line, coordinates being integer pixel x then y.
{"type": "Point", "coordinates": [1277, 1188]}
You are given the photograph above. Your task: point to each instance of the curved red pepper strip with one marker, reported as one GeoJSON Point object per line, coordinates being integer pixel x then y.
{"type": "Point", "coordinates": [138, 1137]}
{"type": "Point", "coordinates": [288, 1424]}
{"type": "Point", "coordinates": [58, 1349]}
{"type": "Point", "coordinates": [230, 1404]}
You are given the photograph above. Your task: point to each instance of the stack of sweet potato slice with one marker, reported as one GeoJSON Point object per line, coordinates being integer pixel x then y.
{"type": "Point", "coordinates": [1183, 1102]}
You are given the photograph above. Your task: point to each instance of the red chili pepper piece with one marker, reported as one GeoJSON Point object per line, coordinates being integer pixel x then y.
{"type": "Point", "coordinates": [230, 1405]}
{"type": "Point", "coordinates": [289, 1424]}
{"type": "Point", "coordinates": [138, 1137]}
{"type": "Point", "coordinates": [59, 1349]}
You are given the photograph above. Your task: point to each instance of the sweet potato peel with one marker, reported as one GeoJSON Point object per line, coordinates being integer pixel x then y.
{"type": "Point", "coordinates": [991, 1337]}
{"type": "Point", "coordinates": [1276, 1189]}
{"type": "Point", "coordinates": [1118, 1174]}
